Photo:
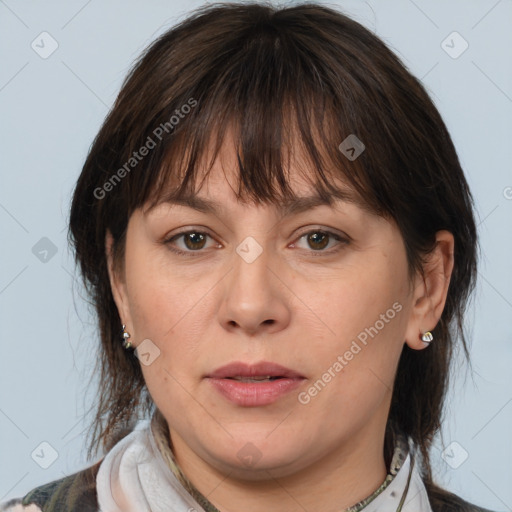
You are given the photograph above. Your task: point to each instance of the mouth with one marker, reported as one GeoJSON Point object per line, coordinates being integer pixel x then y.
{"type": "Point", "coordinates": [254, 385]}
{"type": "Point", "coordinates": [254, 379]}
{"type": "Point", "coordinates": [263, 371]}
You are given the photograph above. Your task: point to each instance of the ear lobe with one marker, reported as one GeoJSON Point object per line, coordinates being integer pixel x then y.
{"type": "Point", "coordinates": [117, 285]}
{"type": "Point", "coordinates": [430, 291]}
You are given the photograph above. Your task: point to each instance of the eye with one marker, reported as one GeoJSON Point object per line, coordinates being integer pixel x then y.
{"type": "Point", "coordinates": [192, 241]}
{"type": "Point", "coordinates": [318, 239]}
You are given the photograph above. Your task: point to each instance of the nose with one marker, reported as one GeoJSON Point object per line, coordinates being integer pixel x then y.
{"type": "Point", "coordinates": [254, 299]}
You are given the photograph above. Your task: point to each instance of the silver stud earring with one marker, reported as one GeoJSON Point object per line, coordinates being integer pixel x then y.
{"type": "Point", "coordinates": [427, 337]}
{"type": "Point", "coordinates": [126, 336]}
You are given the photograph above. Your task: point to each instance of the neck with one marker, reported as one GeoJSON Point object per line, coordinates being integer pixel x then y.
{"type": "Point", "coordinates": [335, 482]}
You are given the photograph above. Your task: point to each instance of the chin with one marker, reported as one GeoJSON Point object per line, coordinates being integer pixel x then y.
{"type": "Point", "coordinates": [256, 458]}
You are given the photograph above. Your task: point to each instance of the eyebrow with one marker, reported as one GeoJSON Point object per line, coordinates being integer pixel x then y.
{"type": "Point", "coordinates": [286, 207]}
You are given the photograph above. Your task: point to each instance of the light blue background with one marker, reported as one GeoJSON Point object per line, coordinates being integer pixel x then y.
{"type": "Point", "coordinates": [51, 110]}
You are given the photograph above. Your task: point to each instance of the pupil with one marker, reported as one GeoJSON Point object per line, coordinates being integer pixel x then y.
{"type": "Point", "coordinates": [319, 238]}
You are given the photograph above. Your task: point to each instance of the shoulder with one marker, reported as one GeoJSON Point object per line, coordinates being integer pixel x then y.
{"type": "Point", "coordinates": [445, 501]}
{"type": "Point", "coordinates": [474, 508]}
{"type": "Point", "coordinates": [76, 492]}
{"type": "Point", "coordinates": [465, 506]}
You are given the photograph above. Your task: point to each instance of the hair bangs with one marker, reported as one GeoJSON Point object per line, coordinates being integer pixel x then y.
{"type": "Point", "coordinates": [275, 126]}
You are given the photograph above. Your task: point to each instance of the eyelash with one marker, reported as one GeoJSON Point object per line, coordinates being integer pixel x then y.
{"type": "Point", "coordinates": [319, 253]}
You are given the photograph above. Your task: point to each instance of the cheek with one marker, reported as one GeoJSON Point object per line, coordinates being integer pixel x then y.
{"type": "Point", "coordinates": [174, 312]}
{"type": "Point", "coordinates": [345, 302]}
{"type": "Point", "coordinates": [160, 297]}
{"type": "Point", "coordinates": [359, 333]}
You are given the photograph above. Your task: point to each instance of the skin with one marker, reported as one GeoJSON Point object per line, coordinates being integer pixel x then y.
{"type": "Point", "coordinates": [293, 305]}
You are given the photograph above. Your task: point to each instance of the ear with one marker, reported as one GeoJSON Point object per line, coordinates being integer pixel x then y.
{"type": "Point", "coordinates": [430, 291]}
{"type": "Point", "coordinates": [117, 284]}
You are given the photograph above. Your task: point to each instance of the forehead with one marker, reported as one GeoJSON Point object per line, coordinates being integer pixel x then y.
{"type": "Point", "coordinates": [220, 181]}
{"type": "Point", "coordinates": [216, 194]}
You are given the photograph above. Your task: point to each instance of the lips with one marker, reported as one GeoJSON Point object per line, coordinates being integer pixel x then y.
{"type": "Point", "coordinates": [259, 371]}
{"type": "Point", "coordinates": [267, 378]}
{"type": "Point", "coordinates": [254, 385]}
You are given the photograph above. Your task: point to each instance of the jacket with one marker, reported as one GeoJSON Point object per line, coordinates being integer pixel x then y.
{"type": "Point", "coordinates": [139, 473]}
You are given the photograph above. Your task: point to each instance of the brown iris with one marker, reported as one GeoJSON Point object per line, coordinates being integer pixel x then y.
{"type": "Point", "coordinates": [318, 240]}
{"type": "Point", "coordinates": [196, 240]}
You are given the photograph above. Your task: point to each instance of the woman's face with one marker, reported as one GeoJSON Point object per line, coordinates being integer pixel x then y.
{"type": "Point", "coordinates": [318, 297]}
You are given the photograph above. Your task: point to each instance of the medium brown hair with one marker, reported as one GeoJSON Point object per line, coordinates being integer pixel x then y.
{"type": "Point", "coordinates": [306, 76]}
